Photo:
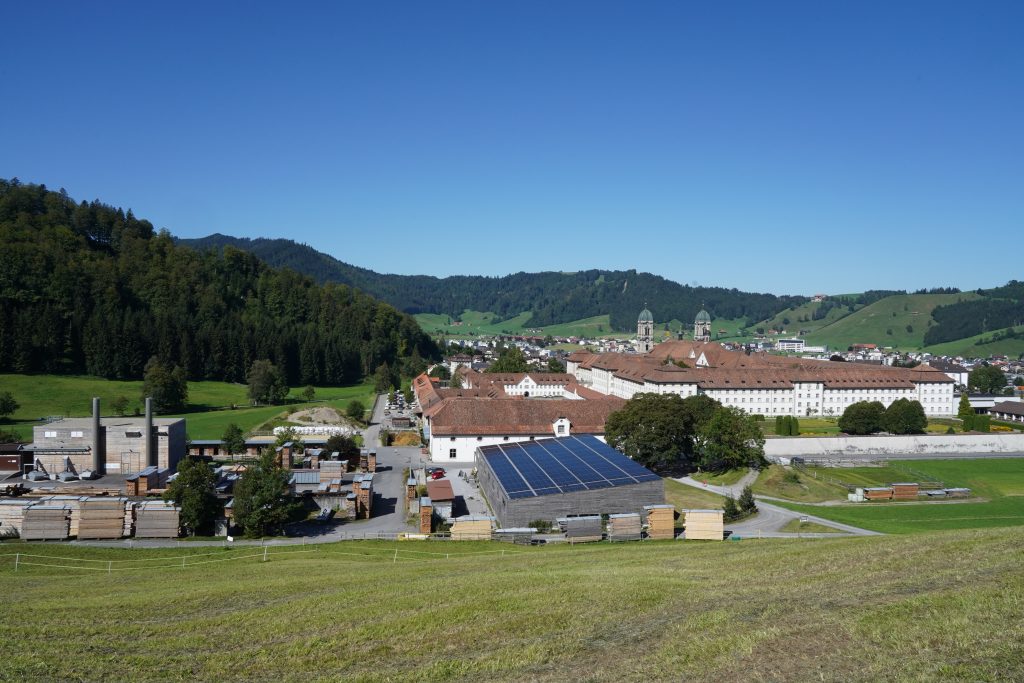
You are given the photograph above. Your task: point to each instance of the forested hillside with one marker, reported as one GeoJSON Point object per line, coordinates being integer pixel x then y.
{"type": "Point", "coordinates": [552, 297]}
{"type": "Point", "coordinates": [997, 308]}
{"type": "Point", "coordinates": [89, 288]}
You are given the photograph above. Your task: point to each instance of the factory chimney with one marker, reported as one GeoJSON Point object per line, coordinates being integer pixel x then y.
{"type": "Point", "coordinates": [151, 455]}
{"type": "Point", "coordinates": [98, 456]}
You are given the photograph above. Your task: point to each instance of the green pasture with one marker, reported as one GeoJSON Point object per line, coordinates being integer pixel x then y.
{"type": "Point", "coordinates": [939, 606]}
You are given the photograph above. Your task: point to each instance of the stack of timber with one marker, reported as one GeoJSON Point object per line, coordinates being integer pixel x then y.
{"type": "Point", "coordinates": [426, 516]}
{"type": "Point", "coordinates": [520, 535]}
{"type": "Point", "coordinates": [46, 523]}
{"type": "Point", "coordinates": [878, 493]}
{"type": "Point", "coordinates": [905, 491]}
{"type": "Point", "coordinates": [350, 505]}
{"type": "Point", "coordinates": [661, 522]}
{"type": "Point", "coordinates": [73, 505]}
{"type": "Point", "coordinates": [364, 460]}
{"type": "Point", "coordinates": [12, 512]}
{"type": "Point", "coordinates": [410, 489]}
{"type": "Point", "coordinates": [331, 469]}
{"type": "Point", "coordinates": [156, 519]}
{"type": "Point", "coordinates": [101, 518]}
{"type": "Point", "coordinates": [364, 495]}
{"type": "Point", "coordinates": [704, 525]}
{"type": "Point", "coordinates": [958, 493]}
{"type": "Point", "coordinates": [144, 481]}
{"type": "Point", "coordinates": [472, 528]}
{"type": "Point", "coordinates": [582, 529]}
{"type": "Point", "coordinates": [371, 461]}
{"type": "Point", "coordinates": [624, 527]}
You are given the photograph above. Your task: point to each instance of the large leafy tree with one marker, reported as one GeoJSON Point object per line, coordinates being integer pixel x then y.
{"type": "Point", "coordinates": [904, 416]}
{"type": "Point", "coordinates": [863, 417]}
{"type": "Point", "coordinates": [510, 360]}
{"type": "Point", "coordinates": [8, 404]}
{"type": "Point", "coordinates": [233, 439]}
{"type": "Point", "coordinates": [166, 386]}
{"type": "Point", "coordinates": [659, 430]}
{"type": "Point", "coordinates": [262, 502]}
{"type": "Point", "coordinates": [988, 379]}
{"type": "Point", "coordinates": [266, 382]}
{"type": "Point", "coordinates": [194, 491]}
{"type": "Point", "coordinates": [730, 439]}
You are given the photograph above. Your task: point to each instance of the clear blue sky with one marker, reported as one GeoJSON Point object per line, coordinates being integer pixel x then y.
{"type": "Point", "coordinates": [792, 147]}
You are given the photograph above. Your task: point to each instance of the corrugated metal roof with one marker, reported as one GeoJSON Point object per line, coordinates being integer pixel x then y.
{"type": "Point", "coordinates": [301, 477]}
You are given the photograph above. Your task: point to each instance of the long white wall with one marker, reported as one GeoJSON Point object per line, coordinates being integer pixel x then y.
{"type": "Point", "coordinates": [924, 444]}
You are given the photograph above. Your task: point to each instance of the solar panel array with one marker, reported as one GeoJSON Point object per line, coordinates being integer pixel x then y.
{"type": "Point", "coordinates": [563, 465]}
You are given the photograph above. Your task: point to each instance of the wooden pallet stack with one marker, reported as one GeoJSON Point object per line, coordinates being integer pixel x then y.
{"type": "Point", "coordinates": [12, 512]}
{"type": "Point", "coordinates": [472, 528]}
{"type": "Point", "coordinates": [156, 519]}
{"type": "Point", "coordinates": [46, 523]}
{"type": "Point", "coordinates": [704, 525]}
{"type": "Point", "coordinates": [426, 516]}
{"type": "Point", "coordinates": [905, 491]}
{"type": "Point", "coordinates": [661, 522]}
{"type": "Point", "coordinates": [878, 493]}
{"type": "Point", "coordinates": [73, 505]}
{"type": "Point", "coordinates": [101, 518]}
{"type": "Point", "coordinates": [624, 527]}
{"type": "Point", "coordinates": [583, 529]}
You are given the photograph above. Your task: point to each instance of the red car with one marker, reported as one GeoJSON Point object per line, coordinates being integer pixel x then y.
{"type": "Point", "coordinates": [437, 474]}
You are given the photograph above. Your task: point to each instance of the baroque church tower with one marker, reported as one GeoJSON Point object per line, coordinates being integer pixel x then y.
{"type": "Point", "coordinates": [645, 331]}
{"type": "Point", "coordinates": [702, 326]}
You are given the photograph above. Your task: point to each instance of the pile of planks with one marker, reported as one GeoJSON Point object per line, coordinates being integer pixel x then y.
{"type": "Point", "coordinates": [156, 519]}
{"type": "Point", "coordinates": [12, 512]}
{"type": "Point", "coordinates": [331, 469]}
{"type": "Point", "coordinates": [472, 528]}
{"type": "Point", "coordinates": [102, 518]}
{"type": "Point", "coordinates": [371, 461]}
{"type": "Point", "coordinates": [905, 491]}
{"type": "Point", "coordinates": [704, 525]}
{"type": "Point", "coordinates": [624, 527]}
{"type": "Point", "coordinates": [426, 516]}
{"type": "Point", "coordinates": [351, 503]}
{"type": "Point", "coordinates": [582, 529]}
{"type": "Point", "coordinates": [364, 460]}
{"type": "Point", "coordinates": [46, 523]}
{"type": "Point", "coordinates": [148, 480]}
{"type": "Point", "coordinates": [362, 486]}
{"type": "Point", "coordinates": [878, 493]}
{"type": "Point", "coordinates": [661, 522]}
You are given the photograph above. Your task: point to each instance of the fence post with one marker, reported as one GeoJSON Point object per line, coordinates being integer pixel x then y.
{"type": "Point", "coordinates": [109, 563]}
{"type": "Point", "coordinates": [182, 561]}
{"type": "Point", "coordinates": [264, 553]}
{"type": "Point", "coordinates": [17, 560]}
{"type": "Point", "coordinates": [395, 560]}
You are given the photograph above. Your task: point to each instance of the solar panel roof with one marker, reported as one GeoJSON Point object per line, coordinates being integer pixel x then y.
{"type": "Point", "coordinates": [572, 463]}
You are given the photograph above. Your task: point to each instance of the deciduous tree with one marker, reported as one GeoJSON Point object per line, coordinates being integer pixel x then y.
{"type": "Point", "coordinates": [988, 379]}
{"type": "Point", "coordinates": [863, 417]}
{"type": "Point", "coordinates": [266, 382]}
{"type": "Point", "coordinates": [262, 501]}
{"type": "Point", "coordinates": [730, 439]}
{"type": "Point", "coordinates": [233, 439]}
{"type": "Point", "coordinates": [904, 416]}
{"type": "Point", "coordinates": [194, 491]}
{"type": "Point", "coordinates": [167, 387]}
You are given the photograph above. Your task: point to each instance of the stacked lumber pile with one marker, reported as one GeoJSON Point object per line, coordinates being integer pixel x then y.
{"type": "Point", "coordinates": [426, 516]}
{"type": "Point", "coordinates": [371, 461]}
{"type": "Point", "coordinates": [704, 525]}
{"type": "Point", "coordinates": [364, 460]}
{"type": "Point", "coordinates": [661, 522]}
{"type": "Point", "coordinates": [905, 491]}
{"type": "Point", "coordinates": [958, 493]}
{"type": "Point", "coordinates": [364, 495]}
{"type": "Point", "coordinates": [46, 523]}
{"type": "Point", "coordinates": [331, 469]}
{"type": "Point", "coordinates": [12, 512]}
{"type": "Point", "coordinates": [583, 529]}
{"type": "Point", "coordinates": [624, 527]}
{"type": "Point", "coordinates": [472, 528]}
{"type": "Point", "coordinates": [144, 481]}
{"type": "Point", "coordinates": [73, 505]}
{"type": "Point", "coordinates": [101, 518]}
{"type": "Point", "coordinates": [350, 505]}
{"type": "Point", "coordinates": [521, 535]}
{"type": "Point", "coordinates": [410, 489]}
{"type": "Point", "coordinates": [156, 519]}
{"type": "Point", "coordinates": [878, 493]}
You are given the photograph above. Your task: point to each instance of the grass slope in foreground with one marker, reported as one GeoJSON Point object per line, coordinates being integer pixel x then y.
{"type": "Point", "coordinates": [945, 606]}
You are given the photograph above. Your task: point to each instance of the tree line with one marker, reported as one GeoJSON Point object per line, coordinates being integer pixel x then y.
{"type": "Point", "coordinates": [553, 297]}
{"type": "Point", "coordinates": [86, 288]}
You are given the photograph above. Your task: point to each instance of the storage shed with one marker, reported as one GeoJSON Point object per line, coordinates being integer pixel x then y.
{"type": "Point", "coordinates": [904, 491]}
{"type": "Point", "coordinates": [442, 497]}
{"type": "Point", "coordinates": [570, 476]}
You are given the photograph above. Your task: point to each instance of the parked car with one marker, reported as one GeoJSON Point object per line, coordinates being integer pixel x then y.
{"type": "Point", "coordinates": [437, 474]}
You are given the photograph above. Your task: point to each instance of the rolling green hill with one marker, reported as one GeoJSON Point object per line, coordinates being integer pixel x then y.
{"type": "Point", "coordinates": [899, 321]}
{"type": "Point", "coordinates": [801, 317]}
{"type": "Point", "coordinates": [983, 345]}
{"type": "Point", "coordinates": [937, 606]}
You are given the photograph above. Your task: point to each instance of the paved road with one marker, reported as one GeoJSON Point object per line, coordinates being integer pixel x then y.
{"type": "Point", "coordinates": [770, 518]}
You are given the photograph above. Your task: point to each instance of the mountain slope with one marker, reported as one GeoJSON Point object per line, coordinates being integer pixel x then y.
{"type": "Point", "coordinates": [551, 296]}
{"type": "Point", "coordinates": [89, 289]}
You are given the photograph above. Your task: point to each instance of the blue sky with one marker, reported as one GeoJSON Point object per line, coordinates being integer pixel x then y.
{"type": "Point", "coordinates": [791, 147]}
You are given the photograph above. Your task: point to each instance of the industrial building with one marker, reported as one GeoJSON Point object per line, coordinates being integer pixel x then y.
{"type": "Point", "coordinates": [112, 445]}
{"type": "Point", "coordinates": [570, 476]}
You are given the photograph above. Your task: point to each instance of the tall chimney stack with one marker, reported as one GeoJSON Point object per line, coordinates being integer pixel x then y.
{"type": "Point", "coordinates": [151, 455]}
{"type": "Point", "coordinates": [98, 456]}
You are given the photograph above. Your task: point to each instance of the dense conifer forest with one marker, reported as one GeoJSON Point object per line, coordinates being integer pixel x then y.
{"type": "Point", "coordinates": [89, 288]}
{"type": "Point", "coordinates": [553, 297]}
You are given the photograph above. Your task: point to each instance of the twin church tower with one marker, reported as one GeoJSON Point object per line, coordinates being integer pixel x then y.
{"type": "Point", "coordinates": [645, 329]}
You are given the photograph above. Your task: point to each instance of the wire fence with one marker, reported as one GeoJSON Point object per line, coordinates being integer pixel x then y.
{"type": "Point", "coordinates": [18, 561]}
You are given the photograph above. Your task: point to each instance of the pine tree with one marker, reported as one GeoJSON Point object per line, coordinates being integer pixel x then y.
{"type": "Point", "coordinates": [964, 409]}
{"type": "Point", "coordinates": [746, 501]}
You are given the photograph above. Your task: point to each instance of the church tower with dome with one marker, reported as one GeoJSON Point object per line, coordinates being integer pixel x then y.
{"type": "Point", "coordinates": [645, 331]}
{"type": "Point", "coordinates": [702, 326]}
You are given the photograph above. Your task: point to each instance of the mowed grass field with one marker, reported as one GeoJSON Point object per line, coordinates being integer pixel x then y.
{"type": "Point", "coordinates": [209, 402]}
{"type": "Point", "coordinates": [943, 606]}
{"type": "Point", "coordinates": [477, 323]}
{"type": "Point", "coordinates": [998, 482]}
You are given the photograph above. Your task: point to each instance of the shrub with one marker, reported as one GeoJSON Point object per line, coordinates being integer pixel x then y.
{"type": "Point", "coordinates": [542, 526]}
{"type": "Point", "coordinates": [791, 477]}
